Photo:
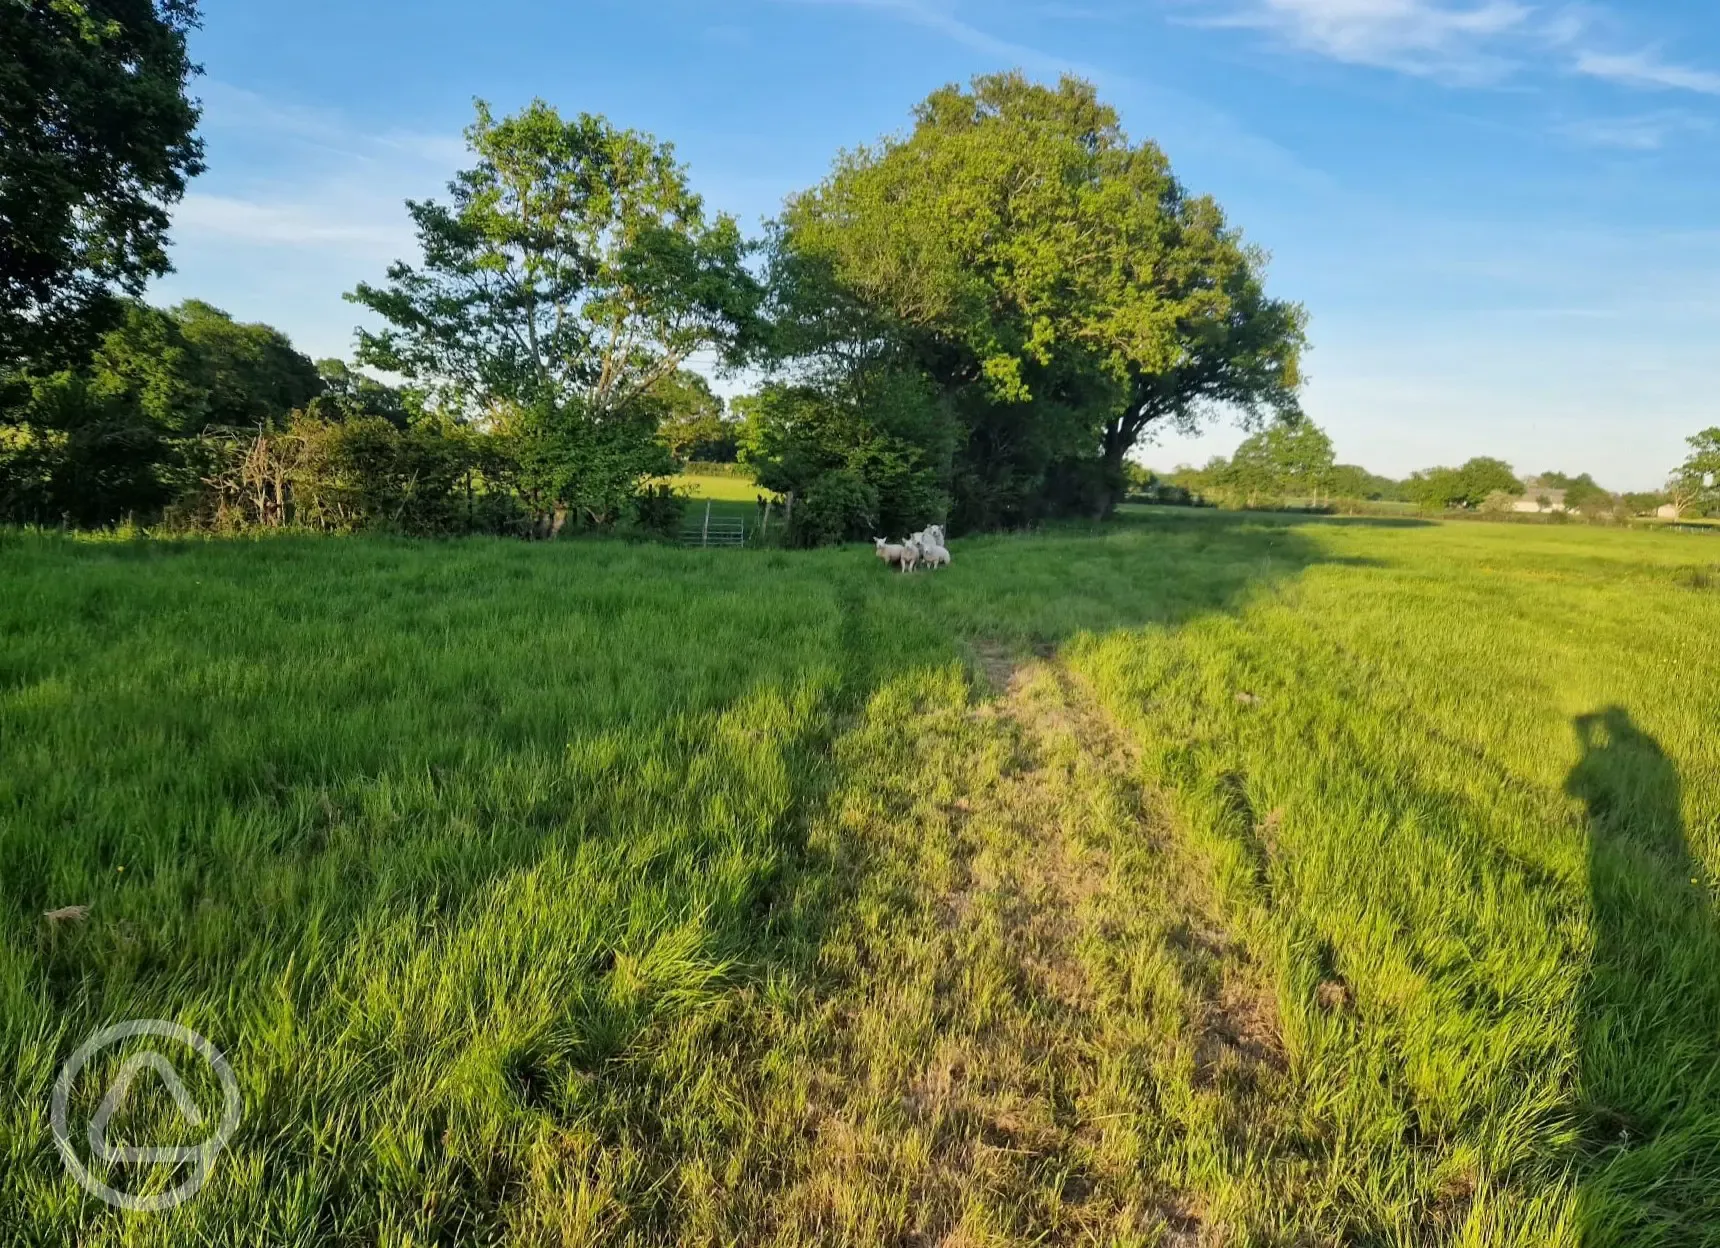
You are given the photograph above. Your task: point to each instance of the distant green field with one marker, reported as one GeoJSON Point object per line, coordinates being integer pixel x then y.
{"type": "Point", "coordinates": [730, 489]}
{"type": "Point", "coordinates": [1196, 878]}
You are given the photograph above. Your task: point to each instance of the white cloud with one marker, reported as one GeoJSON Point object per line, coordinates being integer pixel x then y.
{"type": "Point", "coordinates": [1433, 37]}
{"type": "Point", "coordinates": [286, 224]}
{"type": "Point", "coordinates": [300, 204]}
{"type": "Point", "coordinates": [1463, 40]}
{"type": "Point", "coordinates": [234, 111]}
{"type": "Point", "coordinates": [1646, 69]}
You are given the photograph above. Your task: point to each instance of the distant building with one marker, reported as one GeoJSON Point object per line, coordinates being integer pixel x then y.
{"type": "Point", "coordinates": [1537, 500]}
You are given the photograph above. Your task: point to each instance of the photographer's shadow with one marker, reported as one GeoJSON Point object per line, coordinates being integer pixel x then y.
{"type": "Point", "coordinates": [1648, 1111]}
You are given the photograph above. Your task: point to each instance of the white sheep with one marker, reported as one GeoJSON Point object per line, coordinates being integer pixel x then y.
{"type": "Point", "coordinates": [890, 554]}
{"type": "Point", "coordinates": [910, 555]}
{"type": "Point", "coordinates": [933, 555]}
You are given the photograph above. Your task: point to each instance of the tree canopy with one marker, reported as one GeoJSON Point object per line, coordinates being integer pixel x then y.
{"type": "Point", "coordinates": [691, 419]}
{"type": "Point", "coordinates": [1696, 483]}
{"type": "Point", "coordinates": [973, 322]}
{"type": "Point", "coordinates": [1467, 486]}
{"type": "Point", "coordinates": [569, 278]}
{"type": "Point", "coordinates": [572, 267]}
{"type": "Point", "coordinates": [1053, 279]}
{"type": "Point", "coordinates": [96, 143]}
{"type": "Point", "coordinates": [120, 435]}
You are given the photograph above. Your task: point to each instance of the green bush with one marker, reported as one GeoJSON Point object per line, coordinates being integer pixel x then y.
{"type": "Point", "coordinates": [660, 509]}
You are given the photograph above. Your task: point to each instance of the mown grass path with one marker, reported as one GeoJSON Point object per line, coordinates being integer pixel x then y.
{"type": "Point", "coordinates": [1030, 1008]}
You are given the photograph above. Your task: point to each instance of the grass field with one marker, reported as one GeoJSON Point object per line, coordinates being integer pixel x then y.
{"type": "Point", "coordinates": [729, 498]}
{"type": "Point", "coordinates": [736, 489]}
{"type": "Point", "coordinates": [1199, 878]}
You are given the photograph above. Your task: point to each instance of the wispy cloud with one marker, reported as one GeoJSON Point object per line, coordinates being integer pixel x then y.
{"type": "Point", "coordinates": [1646, 69]}
{"type": "Point", "coordinates": [1646, 133]}
{"type": "Point", "coordinates": [1431, 37]}
{"type": "Point", "coordinates": [943, 20]}
{"type": "Point", "coordinates": [1463, 40]}
{"type": "Point", "coordinates": [287, 224]}
{"type": "Point", "coordinates": [234, 110]}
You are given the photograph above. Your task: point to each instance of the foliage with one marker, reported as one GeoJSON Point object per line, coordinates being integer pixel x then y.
{"type": "Point", "coordinates": [592, 469]}
{"type": "Point", "coordinates": [1296, 457]}
{"type": "Point", "coordinates": [348, 394]}
{"type": "Point", "coordinates": [359, 473]}
{"type": "Point", "coordinates": [1350, 481]}
{"type": "Point", "coordinates": [1052, 279]}
{"type": "Point", "coordinates": [852, 472]}
{"type": "Point", "coordinates": [659, 509]}
{"type": "Point", "coordinates": [572, 273]}
{"type": "Point", "coordinates": [1696, 484]}
{"type": "Point", "coordinates": [1582, 493]}
{"type": "Point", "coordinates": [1289, 459]}
{"type": "Point", "coordinates": [691, 420]}
{"type": "Point", "coordinates": [96, 143]}
{"type": "Point", "coordinates": [573, 269]}
{"type": "Point", "coordinates": [1468, 486]}
{"type": "Point", "coordinates": [120, 436]}
{"type": "Point", "coordinates": [252, 373]}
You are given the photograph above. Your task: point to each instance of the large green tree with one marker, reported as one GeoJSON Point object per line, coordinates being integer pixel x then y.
{"type": "Point", "coordinates": [253, 373]}
{"type": "Point", "coordinates": [572, 271]}
{"type": "Point", "coordinates": [1355, 482]}
{"type": "Point", "coordinates": [1696, 483]}
{"type": "Point", "coordinates": [854, 458]}
{"type": "Point", "coordinates": [1054, 278]}
{"type": "Point", "coordinates": [96, 143]}
{"type": "Point", "coordinates": [691, 419]}
{"type": "Point", "coordinates": [1301, 456]}
{"type": "Point", "coordinates": [1467, 486]}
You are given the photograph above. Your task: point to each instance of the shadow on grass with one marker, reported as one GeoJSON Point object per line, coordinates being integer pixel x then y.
{"type": "Point", "coordinates": [1217, 515]}
{"type": "Point", "coordinates": [1648, 1110]}
{"type": "Point", "coordinates": [599, 678]}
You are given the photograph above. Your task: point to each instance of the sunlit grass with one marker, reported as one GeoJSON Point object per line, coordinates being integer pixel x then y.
{"type": "Point", "coordinates": [735, 489]}
{"type": "Point", "coordinates": [1317, 880]}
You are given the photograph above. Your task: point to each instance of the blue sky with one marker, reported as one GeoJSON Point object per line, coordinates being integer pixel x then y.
{"type": "Point", "coordinates": [1501, 214]}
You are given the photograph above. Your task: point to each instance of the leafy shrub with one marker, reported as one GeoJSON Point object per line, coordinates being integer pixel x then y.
{"type": "Point", "coordinates": [660, 509]}
{"type": "Point", "coordinates": [840, 506]}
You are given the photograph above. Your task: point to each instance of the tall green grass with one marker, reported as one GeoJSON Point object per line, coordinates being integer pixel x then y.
{"type": "Point", "coordinates": [524, 885]}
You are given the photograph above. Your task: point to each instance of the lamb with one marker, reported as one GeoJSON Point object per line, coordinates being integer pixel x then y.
{"type": "Point", "coordinates": [890, 554]}
{"type": "Point", "coordinates": [933, 555]}
{"type": "Point", "coordinates": [925, 547]}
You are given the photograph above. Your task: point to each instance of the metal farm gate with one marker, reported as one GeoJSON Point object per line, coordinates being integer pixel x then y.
{"type": "Point", "coordinates": [709, 530]}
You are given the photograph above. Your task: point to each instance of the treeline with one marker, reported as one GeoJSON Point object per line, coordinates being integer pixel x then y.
{"type": "Point", "coordinates": [1294, 463]}
{"type": "Point", "coordinates": [974, 323]}
{"type": "Point", "coordinates": [190, 419]}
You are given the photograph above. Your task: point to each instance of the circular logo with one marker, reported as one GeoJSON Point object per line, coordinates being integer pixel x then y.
{"type": "Point", "coordinates": [199, 1158]}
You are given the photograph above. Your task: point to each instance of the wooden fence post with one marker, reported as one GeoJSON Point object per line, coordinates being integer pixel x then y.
{"type": "Point", "coordinates": [705, 537]}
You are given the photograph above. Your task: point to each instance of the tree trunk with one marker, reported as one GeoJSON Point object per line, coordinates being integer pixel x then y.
{"type": "Point", "coordinates": [1119, 440]}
